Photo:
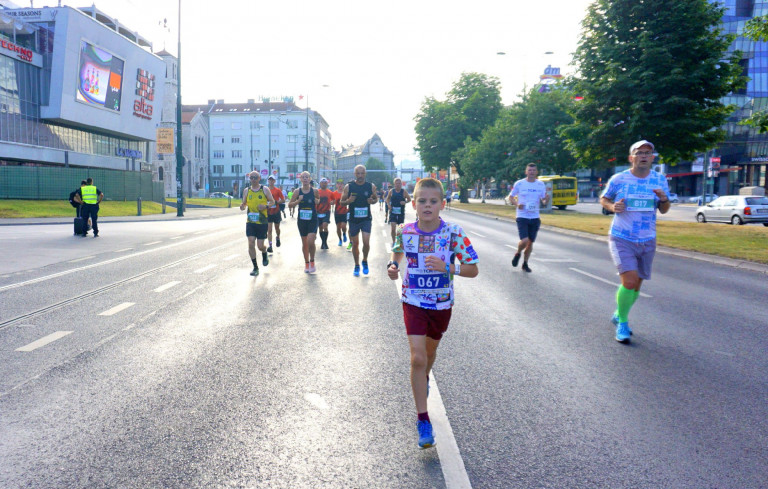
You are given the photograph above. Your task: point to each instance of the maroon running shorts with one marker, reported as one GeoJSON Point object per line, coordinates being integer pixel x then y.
{"type": "Point", "coordinates": [426, 322]}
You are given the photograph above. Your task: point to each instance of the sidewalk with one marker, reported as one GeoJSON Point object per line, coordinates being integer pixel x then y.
{"type": "Point", "coordinates": [189, 215]}
{"type": "Point", "coordinates": [693, 255]}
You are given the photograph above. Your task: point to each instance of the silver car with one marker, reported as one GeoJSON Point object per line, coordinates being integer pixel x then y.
{"type": "Point", "coordinates": [736, 209]}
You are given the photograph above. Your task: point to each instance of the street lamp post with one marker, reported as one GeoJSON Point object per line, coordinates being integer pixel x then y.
{"type": "Point", "coordinates": [179, 156]}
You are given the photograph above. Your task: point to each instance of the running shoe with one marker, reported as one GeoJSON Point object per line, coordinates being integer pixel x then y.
{"type": "Point", "coordinates": [356, 273]}
{"type": "Point", "coordinates": [349, 246]}
{"type": "Point", "coordinates": [345, 237]}
{"type": "Point", "coordinates": [277, 242]}
{"type": "Point", "coordinates": [526, 268]}
{"type": "Point", "coordinates": [306, 268]}
{"type": "Point", "coordinates": [622, 333]}
{"type": "Point", "coordinates": [516, 259]}
{"type": "Point", "coordinates": [269, 249]}
{"type": "Point", "coordinates": [615, 321]}
{"type": "Point", "coordinates": [365, 267]}
{"type": "Point", "coordinates": [426, 437]}
{"type": "Point", "coordinates": [312, 268]}
{"type": "Point", "coordinates": [255, 272]}
{"type": "Point", "coordinates": [264, 259]}
{"type": "Point", "coordinates": [340, 243]}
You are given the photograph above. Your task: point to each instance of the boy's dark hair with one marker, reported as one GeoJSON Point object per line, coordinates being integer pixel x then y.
{"type": "Point", "coordinates": [89, 181]}
{"type": "Point", "coordinates": [83, 182]}
{"type": "Point", "coordinates": [531, 165]}
{"type": "Point", "coordinates": [429, 183]}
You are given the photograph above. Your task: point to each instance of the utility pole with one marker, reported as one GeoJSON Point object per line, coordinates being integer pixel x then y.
{"type": "Point", "coordinates": [179, 156]}
{"type": "Point", "coordinates": [306, 140]}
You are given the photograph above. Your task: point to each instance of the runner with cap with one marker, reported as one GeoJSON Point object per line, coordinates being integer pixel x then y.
{"type": "Point", "coordinates": [633, 196]}
{"type": "Point", "coordinates": [324, 203]}
{"type": "Point", "coordinates": [273, 213]}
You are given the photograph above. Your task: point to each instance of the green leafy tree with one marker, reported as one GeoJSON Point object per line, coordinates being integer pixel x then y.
{"type": "Point", "coordinates": [757, 30]}
{"type": "Point", "coordinates": [376, 177]}
{"type": "Point", "coordinates": [654, 70]}
{"type": "Point", "coordinates": [525, 133]}
{"type": "Point", "coordinates": [443, 126]}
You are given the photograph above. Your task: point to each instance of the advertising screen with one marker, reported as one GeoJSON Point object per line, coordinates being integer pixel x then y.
{"type": "Point", "coordinates": [100, 77]}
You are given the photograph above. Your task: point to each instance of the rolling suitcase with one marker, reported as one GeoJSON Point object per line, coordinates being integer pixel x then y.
{"type": "Point", "coordinates": [79, 225]}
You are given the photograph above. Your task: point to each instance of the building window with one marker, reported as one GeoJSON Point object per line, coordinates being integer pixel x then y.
{"type": "Point", "coordinates": [237, 169]}
{"type": "Point", "coordinates": [218, 168]}
{"type": "Point", "coordinates": [275, 154]}
{"type": "Point", "coordinates": [218, 139]}
{"type": "Point", "coordinates": [160, 173]}
{"type": "Point", "coordinates": [274, 124]}
{"type": "Point", "coordinates": [292, 138]}
{"type": "Point", "coordinates": [256, 125]}
{"type": "Point", "coordinates": [236, 125]}
{"type": "Point", "coordinates": [292, 124]}
{"type": "Point", "coordinates": [256, 154]}
{"type": "Point", "coordinates": [237, 153]}
{"type": "Point", "coordinates": [235, 139]}
{"type": "Point", "coordinates": [218, 154]}
{"type": "Point", "coordinates": [218, 125]}
{"type": "Point", "coordinates": [218, 183]}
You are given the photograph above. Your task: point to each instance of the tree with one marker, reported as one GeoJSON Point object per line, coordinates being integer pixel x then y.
{"type": "Point", "coordinates": [653, 70]}
{"type": "Point", "coordinates": [442, 127]}
{"type": "Point", "coordinates": [757, 30]}
{"type": "Point", "coordinates": [525, 133]}
{"type": "Point", "coordinates": [376, 177]}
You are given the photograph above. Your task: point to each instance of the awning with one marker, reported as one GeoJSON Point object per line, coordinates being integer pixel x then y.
{"type": "Point", "coordinates": [722, 170]}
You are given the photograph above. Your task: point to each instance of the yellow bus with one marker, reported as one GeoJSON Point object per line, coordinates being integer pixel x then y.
{"type": "Point", "coordinates": [565, 191]}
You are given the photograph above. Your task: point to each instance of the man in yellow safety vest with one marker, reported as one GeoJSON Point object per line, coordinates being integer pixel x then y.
{"type": "Point", "coordinates": [90, 197]}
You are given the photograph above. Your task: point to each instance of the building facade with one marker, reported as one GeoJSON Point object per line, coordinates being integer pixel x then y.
{"type": "Point", "coordinates": [349, 157]}
{"type": "Point", "coordinates": [75, 92]}
{"type": "Point", "coordinates": [272, 137]}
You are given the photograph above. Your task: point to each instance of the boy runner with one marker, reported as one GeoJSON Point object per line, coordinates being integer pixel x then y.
{"type": "Point", "coordinates": [528, 195]}
{"type": "Point", "coordinates": [340, 214]}
{"type": "Point", "coordinates": [396, 199]}
{"type": "Point", "coordinates": [434, 251]}
{"type": "Point", "coordinates": [633, 196]}
{"type": "Point", "coordinates": [256, 199]}
{"type": "Point", "coordinates": [324, 211]}
{"type": "Point", "coordinates": [273, 213]}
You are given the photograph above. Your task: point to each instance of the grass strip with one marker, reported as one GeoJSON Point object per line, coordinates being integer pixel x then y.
{"type": "Point", "coordinates": [59, 208]}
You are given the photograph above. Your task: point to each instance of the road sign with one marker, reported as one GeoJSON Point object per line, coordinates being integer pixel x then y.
{"type": "Point", "coordinates": [264, 172]}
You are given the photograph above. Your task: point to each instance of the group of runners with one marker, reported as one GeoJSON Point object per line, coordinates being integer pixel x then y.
{"type": "Point", "coordinates": [431, 252]}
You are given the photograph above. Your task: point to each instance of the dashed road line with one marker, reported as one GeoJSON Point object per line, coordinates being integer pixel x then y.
{"type": "Point", "coordinates": [601, 279]}
{"type": "Point", "coordinates": [205, 268]}
{"type": "Point", "coordinates": [177, 237]}
{"type": "Point", "coordinates": [124, 249]}
{"type": "Point", "coordinates": [477, 234]}
{"type": "Point", "coordinates": [152, 243]}
{"type": "Point", "coordinates": [81, 259]}
{"type": "Point", "coordinates": [167, 286]}
{"type": "Point", "coordinates": [44, 341]}
{"type": "Point", "coordinates": [232, 257]}
{"type": "Point", "coordinates": [116, 309]}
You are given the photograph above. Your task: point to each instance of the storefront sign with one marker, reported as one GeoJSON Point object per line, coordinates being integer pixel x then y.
{"type": "Point", "coordinates": [129, 153]}
{"type": "Point", "coordinates": [759, 159]}
{"type": "Point", "coordinates": [17, 52]}
{"type": "Point", "coordinates": [145, 89]}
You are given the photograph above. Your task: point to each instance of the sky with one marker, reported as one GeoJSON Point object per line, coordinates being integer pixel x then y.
{"type": "Point", "coordinates": [365, 66]}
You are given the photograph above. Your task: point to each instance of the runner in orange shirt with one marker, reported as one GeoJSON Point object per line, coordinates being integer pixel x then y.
{"type": "Point", "coordinates": [273, 213]}
{"type": "Point", "coordinates": [324, 211]}
{"type": "Point", "coordinates": [340, 214]}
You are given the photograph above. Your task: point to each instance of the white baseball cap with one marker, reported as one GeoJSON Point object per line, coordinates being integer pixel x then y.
{"type": "Point", "coordinates": [323, 180]}
{"type": "Point", "coordinates": [639, 144]}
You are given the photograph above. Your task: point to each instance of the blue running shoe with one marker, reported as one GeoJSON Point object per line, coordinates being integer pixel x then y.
{"type": "Point", "coordinates": [622, 333]}
{"type": "Point", "coordinates": [340, 243]}
{"type": "Point", "coordinates": [356, 273]}
{"type": "Point", "coordinates": [345, 237]}
{"type": "Point", "coordinates": [615, 321]}
{"type": "Point", "coordinates": [426, 438]}
{"type": "Point", "coordinates": [365, 267]}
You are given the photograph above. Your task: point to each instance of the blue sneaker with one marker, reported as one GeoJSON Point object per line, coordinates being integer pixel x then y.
{"type": "Point", "coordinates": [340, 243]}
{"type": "Point", "coordinates": [615, 321]}
{"type": "Point", "coordinates": [365, 267]}
{"type": "Point", "coordinates": [345, 237]}
{"type": "Point", "coordinates": [356, 273]}
{"type": "Point", "coordinates": [622, 333]}
{"type": "Point", "coordinates": [426, 438]}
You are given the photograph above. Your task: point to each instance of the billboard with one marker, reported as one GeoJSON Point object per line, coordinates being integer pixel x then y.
{"type": "Point", "coordinates": [100, 77]}
{"type": "Point", "coordinates": [165, 140]}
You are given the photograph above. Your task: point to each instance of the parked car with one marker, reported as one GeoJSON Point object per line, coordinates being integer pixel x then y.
{"type": "Point", "coordinates": [455, 196]}
{"type": "Point", "coordinates": [696, 199]}
{"type": "Point", "coordinates": [736, 209]}
{"type": "Point", "coordinates": [219, 195]}
{"type": "Point", "coordinates": [673, 198]}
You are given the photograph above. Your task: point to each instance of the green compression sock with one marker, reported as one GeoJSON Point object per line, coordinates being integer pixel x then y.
{"type": "Point", "coordinates": [624, 300]}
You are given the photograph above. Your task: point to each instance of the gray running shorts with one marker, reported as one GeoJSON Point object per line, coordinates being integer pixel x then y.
{"type": "Point", "coordinates": [629, 256]}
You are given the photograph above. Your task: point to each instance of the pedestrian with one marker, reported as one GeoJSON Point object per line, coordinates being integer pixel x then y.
{"type": "Point", "coordinates": [273, 213]}
{"type": "Point", "coordinates": [527, 195]}
{"type": "Point", "coordinates": [306, 199]}
{"type": "Point", "coordinates": [257, 199]}
{"type": "Point", "coordinates": [89, 196]}
{"type": "Point", "coordinates": [340, 214]}
{"type": "Point", "coordinates": [325, 196]}
{"type": "Point", "coordinates": [396, 199]}
{"type": "Point", "coordinates": [78, 205]}
{"type": "Point", "coordinates": [435, 251]}
{"type": "Point", "coordinates": [633, 196]}
{"type": "Point", "coordinates": [359, 195]}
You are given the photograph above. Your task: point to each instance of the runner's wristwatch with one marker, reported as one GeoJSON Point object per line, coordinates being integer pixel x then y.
{"type": "Point", "coordinates": [392, 262]}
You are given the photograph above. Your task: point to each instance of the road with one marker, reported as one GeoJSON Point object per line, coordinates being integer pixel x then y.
{"type": "Point", "coordinates": [150, 358]}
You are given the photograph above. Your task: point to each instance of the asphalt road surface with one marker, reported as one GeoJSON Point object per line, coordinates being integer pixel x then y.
{"type": "Point", "coordinates": [150, 358]}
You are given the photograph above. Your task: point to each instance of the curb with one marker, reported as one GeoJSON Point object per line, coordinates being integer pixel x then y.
{"type": "Point", "coordinates": [693, 255]}
{"type": "Point", "coordinates": [196, 214]}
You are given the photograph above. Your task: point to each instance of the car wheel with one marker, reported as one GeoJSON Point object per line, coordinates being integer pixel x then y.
{"type": "Point", "coordinates": [736, 221]}
{"type": "Point", "coordinates": [562, 207]}
{"type": "Point", "coordinates": [700, 218]}
{"type": "Point", "coordinates": [765, 224]}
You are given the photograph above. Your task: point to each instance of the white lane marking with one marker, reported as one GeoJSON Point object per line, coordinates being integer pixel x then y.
{"type": "Point", "coordinates": [105, 262]}
{"type": "Point", "coordinates": [454, 473]}
{"type": "Point", "coordinates": [44, 341]}
{"type": "Point", "coordinates": [316, 400]}
{"type": "Point", "coordinates": [477, 234]}
{"type": "Point", "coordinates": [116, 309]}
{"type": "Point", "coordinates": [205, 268]}
{"type": "Point", "coordinates": [451, 463]}
{"type": "Point", "coordinates": [152, 243]}
{"type": "Point", "coordinates": [124, 249]}
{"type": "Point", "coordinates": [556, 260]}
{"type": "Point", "coordinates": [81, 259]}
{"type": "Point", "coordinates": [601, 279]}
{"type": "Point", "coordinates": [199, 232]}
{"type": "Point", "coordinates": [232, 257]}
{"type": "Point", "coordinates": [177, 237]}
{"type": "Point", "coordinates": [167, 286]}
{"type": "Point", "coordinates": [511, 246]}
